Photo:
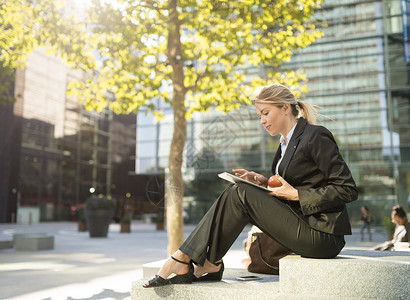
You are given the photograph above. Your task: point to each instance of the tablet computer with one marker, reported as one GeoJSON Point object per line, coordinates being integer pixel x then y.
{"type": "Point", "coordinates": [234, 179]}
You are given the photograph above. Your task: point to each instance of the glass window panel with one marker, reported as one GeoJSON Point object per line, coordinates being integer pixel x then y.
{"type": "Point", "coordinates": [205, 160]}
{"type": "Point", "coordinates": [102, 175]}
{"type": "Point", "coordinates": [166, 130]}
{"type": "Point", "coordinates": [103, 141]}
{"type": "Point", "coordinates": [399, 77]}
{"type": "Point", "coordinates": [367, 156]}
{"type": "Point", "coordinates": [247, 160]}
{"type": "Point", "coordinates": [145, 119]}
{"type": "Point", "coordinates": [393, 7]}
{"type": "Point", "coordinates": [146, 133]}
{"type": "Point", "coordinates": [394, 24]}
{"type": "Point", "coordinates": [271, 143]}
{"type": "Point", "coordinates": [163, 162]}
{"type": "Point", "coordinates": [86, 173]}
{"type": "Point", "coordinates": [145, 165]}
{"type": "Point", "coordinates": [334, 11]}
{"type": "Point", "coordinates": [404, 156]}
{"type": "Point", "coordinates": [164, 146]}
{"type": "Point", "coordinates": [349, 29]}
{"type": "Point", "coordinates": [146, 149]}
{"type": "Point", "coordinates": [102, 158]}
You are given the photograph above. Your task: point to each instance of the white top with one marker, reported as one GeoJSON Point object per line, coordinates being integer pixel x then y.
{"type": "Point", "coordinates": [284, 146]}
{"type": "Point", "coordinates": [399, 234]}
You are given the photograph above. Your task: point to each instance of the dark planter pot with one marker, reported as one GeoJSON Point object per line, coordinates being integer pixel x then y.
{"type": "Point", "coordinates": [82, 226]}
{"type": "Point", "coordinates": [125, 228]}
{"type": "Point", "coordinates": [98, 221]}
{"type": "Point", "coordinates": [160, 226]}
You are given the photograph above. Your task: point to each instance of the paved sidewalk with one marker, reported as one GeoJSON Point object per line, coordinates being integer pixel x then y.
{"type": "Point", "coordinates": [80, 267]}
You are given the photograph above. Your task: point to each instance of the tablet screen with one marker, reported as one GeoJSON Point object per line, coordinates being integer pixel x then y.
{"type": "Point", "coordinates": [232, 178]}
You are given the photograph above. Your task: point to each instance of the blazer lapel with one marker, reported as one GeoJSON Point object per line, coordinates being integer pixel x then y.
{"type": "Point", "coordinates": [291, 148]}
{"type": "Point", "coordinates": [276, 159]}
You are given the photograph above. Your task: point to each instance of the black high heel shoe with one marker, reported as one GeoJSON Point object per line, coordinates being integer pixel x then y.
{"type": "Point", "coordinates": [177, 279]}
{"type": "Point", "coordinates": [215, 276]}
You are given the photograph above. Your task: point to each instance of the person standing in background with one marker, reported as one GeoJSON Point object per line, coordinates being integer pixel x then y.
{"type": "Point", "coordinates": [367, 219]}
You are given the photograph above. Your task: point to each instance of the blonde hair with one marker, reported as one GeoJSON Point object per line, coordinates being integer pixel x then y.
{"type": "Point", "coordinates": [279, 95]}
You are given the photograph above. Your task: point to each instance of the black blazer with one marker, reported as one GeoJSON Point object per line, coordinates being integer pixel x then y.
{"type": "Point", "coordinates": [313, 165]}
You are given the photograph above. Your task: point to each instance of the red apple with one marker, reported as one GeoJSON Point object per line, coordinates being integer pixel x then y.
{"type": "Point", "coordinates": [274, 182]}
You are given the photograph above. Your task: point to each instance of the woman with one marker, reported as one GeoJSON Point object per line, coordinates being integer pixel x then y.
{"type": "Point", "coordinates": [401, 232]}
{"type": "Point", "coordinates": [307, 214]}
{"type": "Point", "coordinates": [367, 219]}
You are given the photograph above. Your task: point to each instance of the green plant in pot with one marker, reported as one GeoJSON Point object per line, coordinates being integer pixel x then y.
{"type": "Point", "coordinates": [390, 227]}
{"type": "Point", "coordinates": [160, 220]}
{"type": "Point", "coordinates": [125, 224]}
{"type": "Point", "coordinates": [99, 211]}
{"type": "Point", "coordinates": [82, 224]}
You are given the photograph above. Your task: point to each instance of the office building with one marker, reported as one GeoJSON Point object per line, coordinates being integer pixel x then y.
{"type": "Point", "coordinates": [55, 154]}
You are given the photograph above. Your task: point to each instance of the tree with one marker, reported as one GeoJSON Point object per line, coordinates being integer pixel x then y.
{"type": "Point", "coordinates": [192, 55]}
{"type": "Point", "coordinates": [16, 41]}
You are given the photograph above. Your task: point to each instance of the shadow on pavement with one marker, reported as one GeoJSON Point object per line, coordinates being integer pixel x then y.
{"type": "Point", "coordinates": [110, 294]}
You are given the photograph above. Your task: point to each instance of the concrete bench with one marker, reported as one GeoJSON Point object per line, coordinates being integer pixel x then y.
{"type": "Point", "coordinates": [33, 241]}
{"type": "Point", "coordinates": [354, 274]}
{"type": "Point", "coordinates": [5, 244]}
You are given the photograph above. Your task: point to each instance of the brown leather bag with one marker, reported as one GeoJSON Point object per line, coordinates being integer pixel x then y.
{"type": "Point", "coordinates": [265, 254]}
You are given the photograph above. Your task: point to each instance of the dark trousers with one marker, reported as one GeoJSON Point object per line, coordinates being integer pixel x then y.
{"type": "Point", "coordinates": [241, 204]}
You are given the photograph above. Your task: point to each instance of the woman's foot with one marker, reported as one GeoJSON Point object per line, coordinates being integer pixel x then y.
{"type": "Point", "coordinates": [178, 264]}
{"type": "Point", "coordinates": [174, 267]}
{"type": "Point", "coordinates": [209, 271]}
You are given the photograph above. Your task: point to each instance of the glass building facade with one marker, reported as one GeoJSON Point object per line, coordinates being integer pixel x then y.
{"type": "Point", "coordinates": [359, 76]}
{"type": "Point", "coordinates": [54, 153]}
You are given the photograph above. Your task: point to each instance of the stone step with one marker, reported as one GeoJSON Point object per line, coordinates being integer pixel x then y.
{"type": "Point", "coordinates": [228, 288]}
{"type": "Point", "coordinates": [354, 274]}
{"type": "Point", "coordinates": [33, 241]}
{"type": "Point", "coordinates": [5, 244]}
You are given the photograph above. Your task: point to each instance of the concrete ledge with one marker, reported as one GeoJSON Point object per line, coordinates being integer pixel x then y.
{"type": "Point", "coordinates": [5, 244]}
{"type": "Point", "coordinates": [354, 274]}
{"type": "Point", "coordinates": [16, 236]}
{"type": "Point", "coordinates": [33, 242]}
{"type": "Point", "coordinates": [228, 288]}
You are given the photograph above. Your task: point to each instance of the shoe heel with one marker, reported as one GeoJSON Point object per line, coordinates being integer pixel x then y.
{"type": "Point", "coordinates": [216, 276]}
{"type": "Point", "coordinates": [184, 278]}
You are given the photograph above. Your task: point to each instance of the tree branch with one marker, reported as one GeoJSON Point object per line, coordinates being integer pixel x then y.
{"type": "Point", "coordinates": [151, 6]}
{"type": "Point", "coordinates": [159, 71]}
{"type": "Point", "coordinates": [157, 9]}
{"type": "Point", "coordinates": [198, 78]}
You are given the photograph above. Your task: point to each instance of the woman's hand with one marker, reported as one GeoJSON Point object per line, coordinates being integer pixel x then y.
{"type": "Point", "coordinates": [285, 191]}
{"type": "Point", "coordinates": [251, 176]}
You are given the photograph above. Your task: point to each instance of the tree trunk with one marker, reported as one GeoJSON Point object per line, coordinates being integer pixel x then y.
{"type": "Point", "coordinates": [174, 184]}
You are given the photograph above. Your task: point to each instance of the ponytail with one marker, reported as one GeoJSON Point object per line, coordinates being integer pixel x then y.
{"type": "Point", "coordinates": [307, 111]}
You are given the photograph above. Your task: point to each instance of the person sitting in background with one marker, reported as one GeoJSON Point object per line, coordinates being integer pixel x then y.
{"type": "Point", "coordinates": [401, 232]}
